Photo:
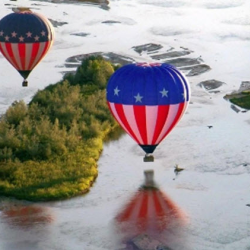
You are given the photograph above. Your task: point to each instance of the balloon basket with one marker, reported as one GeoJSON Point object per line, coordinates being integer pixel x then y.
{"type": "Point", "coordinates": [25, 83]}
{"type": "Point", "coordinates": [148, 158]}
{"type": "Point", "coordinates": [144, 241]}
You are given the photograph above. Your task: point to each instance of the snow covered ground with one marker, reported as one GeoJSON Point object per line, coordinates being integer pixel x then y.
{"type": "Point", "coordinates": [214, 187]}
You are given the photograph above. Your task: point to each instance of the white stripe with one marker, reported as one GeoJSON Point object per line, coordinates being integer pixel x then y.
{"type": "Point", "coordinates": [39, 54]}
{"type": "Point", "coordinates": [151, 118]}
{"type": "Point", "coordinates": [162, 202]}
{"type": "Point", "coordinates": [6, 54]}
{"type": "Point", "coordinates": [130, 116]}
{"type": "Point", "coordinates": [112, 106]}
{"type": "Point", "coordinates": [134, 216]}
{"type": "Point", "coordinates": [28, 53]}
{"type": "Point", "coordinates": [173, 110]}
{"type": "Point", "coordinates": [15, 50]}
{"type": "Point", "coordinates": [151, 207]}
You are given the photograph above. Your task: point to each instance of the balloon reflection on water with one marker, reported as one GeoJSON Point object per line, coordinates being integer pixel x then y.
{"type": "Point", "coordinates": [150, 217]}
{"type": "Point", "coordinates": [26, 215]}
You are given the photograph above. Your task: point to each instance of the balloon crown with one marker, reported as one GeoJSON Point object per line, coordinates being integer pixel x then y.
{"type": "Point", "coordinates": [146, 64]}
{"type": "Point", "coordinates": [21, 9]}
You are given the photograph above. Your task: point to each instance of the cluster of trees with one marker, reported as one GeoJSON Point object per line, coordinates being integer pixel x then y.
{"type": "Point", "coordinates": [49, 147]}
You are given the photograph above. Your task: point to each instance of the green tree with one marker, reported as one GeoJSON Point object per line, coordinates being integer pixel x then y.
{"type": "Point", "coordinates": [16, 112]}
{"type": "Point", "coordinates": [93, 71]}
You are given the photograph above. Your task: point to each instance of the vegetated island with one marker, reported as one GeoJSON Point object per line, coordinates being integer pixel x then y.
{"type": "Point", "coordinates": [49, 148]}
{"type": "Point", "coordinates": [241, 98]}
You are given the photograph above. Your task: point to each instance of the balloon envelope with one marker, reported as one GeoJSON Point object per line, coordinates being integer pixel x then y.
{"type": "Point", "coordinates": [25, 38]}
{"type": "Point", "coordinates": [148, 100]}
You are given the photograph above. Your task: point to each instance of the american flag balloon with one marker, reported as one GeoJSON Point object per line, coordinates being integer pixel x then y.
{"type": "Point", "coordinates": [25, 38]}
{"type": "Point", "coordinates": [148, 100]}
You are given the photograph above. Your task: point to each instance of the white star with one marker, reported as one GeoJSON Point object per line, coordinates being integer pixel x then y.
{"type": "Point", "coordinates": [13, 34]}
{"type": "Point", "coordinates": [6, 38]}
{"type": "Point", "coordinates": [36, 38]}
{"type": "Point", "coordinates": [116, 91]}
{"type": "Point", "coordinates": [184, 96]}
{"type": "Point", "coordinates": [164, 92]}
{"type": "Point", "coordinates": [29, 34]}
{"type": "Point", "coordinates": [1, 33]}
{"type": "Point", "coordinates": [43, 33]}
{"type": "Point", "coordinates": [138, 98]}
{"type": "Point", "coordinates": [21, 38]}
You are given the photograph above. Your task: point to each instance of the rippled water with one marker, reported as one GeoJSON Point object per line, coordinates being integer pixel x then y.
{"type": "Point", "coordinates": [213, 190]}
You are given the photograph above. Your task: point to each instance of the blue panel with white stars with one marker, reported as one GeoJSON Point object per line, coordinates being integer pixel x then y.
{"type": "Point", "coordinates": [23, 27]}
{"type": "Point", "coordinates": [148, 84]}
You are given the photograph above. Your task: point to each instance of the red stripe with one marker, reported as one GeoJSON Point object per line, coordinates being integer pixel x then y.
{"type": "Point", "coordinates": [143, 213]}
{"type": "Point", "coordinates": [4, 54]}
{"type": "Point", "coordinates": [122, 116]}
{"type": "Point", "coordinates": [35, 49]}
{"type": "Point", "coordinates": [21, 50]}
{"type": "Point", "coordinates": [11, 55]}
{"type": "Point", "coordinates": [162, 116]}
{"type": "Point", "coordinates": [45, 50]}
{"type": "Point", "coordinates": [126, 214]}
{"type": "Point", "coordinates": [176, 119]}
{"type": "Point", "coordinates": [35, 52]}
{"type": "Point", "coordinates": [158, 208]}
{"type": "Point", "coordinates": [140, 117]}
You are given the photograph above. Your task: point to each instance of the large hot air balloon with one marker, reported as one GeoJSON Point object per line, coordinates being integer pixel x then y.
{"type": "Point", "coordinates": [148, 100]}
{"type": "Point", "coordinates": [25, 38]}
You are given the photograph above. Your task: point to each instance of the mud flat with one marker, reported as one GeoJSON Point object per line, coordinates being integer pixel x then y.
{"type": "Point", "coordinates": [189, 65]}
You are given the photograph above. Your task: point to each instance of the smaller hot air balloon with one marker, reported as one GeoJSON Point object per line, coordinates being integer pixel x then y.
{"type": "Point", "coordinates": [149, 215]}
{"type": "Point", "coordinates": [25, 38]}
{"type": "Point", "coordinates": [148, 100]}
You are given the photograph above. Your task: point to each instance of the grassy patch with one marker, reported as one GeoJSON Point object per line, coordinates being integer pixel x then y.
{"type": "Point", "coordinates": [242, 101]}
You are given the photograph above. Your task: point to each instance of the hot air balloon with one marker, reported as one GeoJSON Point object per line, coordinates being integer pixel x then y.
{"type": "Point", "coordinates": [149, 215]}
{"type": "Point", "coordinates": [25, 38]}
{"type": "Point", "coordinates": [148, 100]}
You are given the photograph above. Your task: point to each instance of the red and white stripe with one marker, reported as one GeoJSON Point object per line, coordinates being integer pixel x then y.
{"type": "Point", "coordinates": [147, 125]}
{"type": "Point", "coordinates": [24, 56]}
{"type": "Point", "coordinates": [152, 210]}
